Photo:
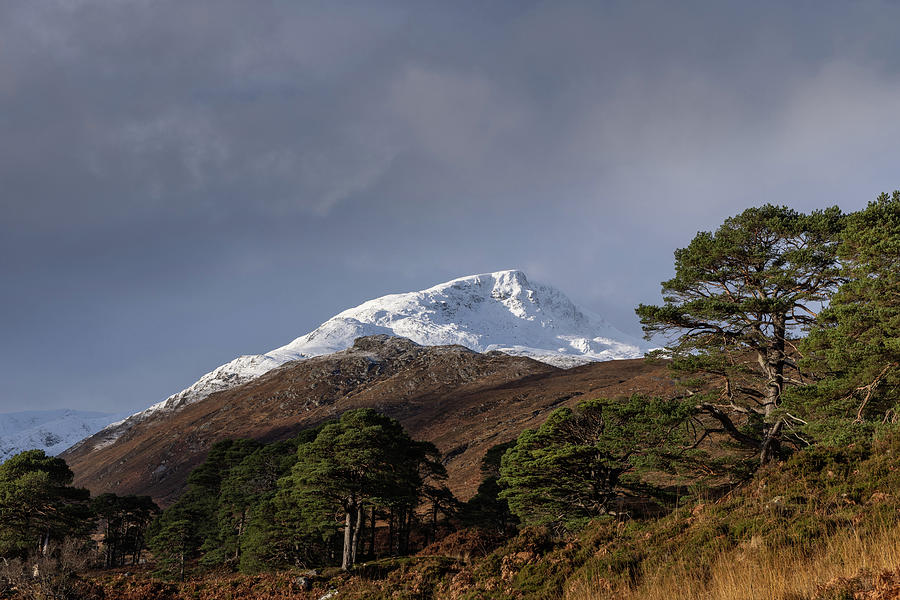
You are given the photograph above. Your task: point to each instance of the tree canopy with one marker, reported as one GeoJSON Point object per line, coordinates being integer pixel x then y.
{"type": "Point", "coordinates": [189, 524]}
{"type": "Point", "coordinates": [580, 462]}
{"type": "Point", "coordinates": [737, 302]}
{"type": "Point", "coordinates": [38, 504]}
{"type": "Point", "coordinates": [365, 458]}
{"type": "Point", "coordinates": [252, 506]}
{"type": "Point", "coordinates": [855, 347]}
{"type": "Point", "coordinates": [124, 521]}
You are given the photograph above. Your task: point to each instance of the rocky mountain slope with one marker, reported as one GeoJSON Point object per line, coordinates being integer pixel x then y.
{"type": "Point", "coordinates": [49, 430]}
{"type": "Point", "coordinates": [463, 401]}
{"type": "Point", "coordinates": [500, 311]}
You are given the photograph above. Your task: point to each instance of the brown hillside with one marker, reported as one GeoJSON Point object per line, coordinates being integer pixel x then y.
{"type": "Point", "coordinates": [463, 401]}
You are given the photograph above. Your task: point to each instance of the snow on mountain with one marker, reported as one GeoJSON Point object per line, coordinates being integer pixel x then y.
{"type": "Point", "coordinates": [49, 430]}
{"type": "Point", "coordinates": [494, 311]}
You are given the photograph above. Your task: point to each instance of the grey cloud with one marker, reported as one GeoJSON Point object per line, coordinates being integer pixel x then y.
{"type": "Point", "coordinates": [182, 182]}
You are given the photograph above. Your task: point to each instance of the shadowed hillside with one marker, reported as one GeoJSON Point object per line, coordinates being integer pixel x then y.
{"type": "Point", "coordinates": [463, 401]}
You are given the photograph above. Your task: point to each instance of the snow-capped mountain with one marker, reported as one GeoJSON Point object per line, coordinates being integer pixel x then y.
{"type": "Point", "coordinates": [499, 311]}
{"type": "Point", "coordinates": [49, 430]}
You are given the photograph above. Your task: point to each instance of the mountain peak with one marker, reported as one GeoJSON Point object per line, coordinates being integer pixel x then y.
{"type": "Point", "coordinates": [510, 278]}
{"type": "Point", "coordinates": [500, 311]}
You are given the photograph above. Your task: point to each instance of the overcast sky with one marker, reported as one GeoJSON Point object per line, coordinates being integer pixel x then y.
{"type": "Point", "coordinates": [184, 181]}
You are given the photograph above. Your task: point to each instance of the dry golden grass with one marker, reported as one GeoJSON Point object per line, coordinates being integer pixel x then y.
{"type": "Point", "coordinates": [758, 573]}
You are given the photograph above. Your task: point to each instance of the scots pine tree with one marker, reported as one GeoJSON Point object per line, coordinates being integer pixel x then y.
{"type": "Point", "coordinates": [174, 541]}
{"type": "Point", "coordinates": [581, 461]}
{"type": "Point", "coordinates": [736, 306]}
{"type": "Point", "coordinates": [192, 519]}
{"type": "Point", "coordinates": [123, 522]}
{"type": "Point", "coordinates": [247, 485]}
{"type": "Point", "coordinates": [486, 509]}
{"type": "Point", "coordinates": [363, 459]}
{"type": "Point", "coordinates": [38, 504]}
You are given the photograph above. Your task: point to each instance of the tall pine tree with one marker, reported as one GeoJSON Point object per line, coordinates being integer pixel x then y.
{"type": "Point", "coordinates": [737, 303]}
{"type": "Point", "coordinates": [38, 504]}
{"type": "Point", "coordinates": [363, 459]}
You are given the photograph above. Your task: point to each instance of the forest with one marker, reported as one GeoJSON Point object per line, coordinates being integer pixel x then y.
{"type": "Point", "coordinates": [781, 330]}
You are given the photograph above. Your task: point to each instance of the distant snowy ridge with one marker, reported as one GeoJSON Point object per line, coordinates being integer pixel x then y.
{"type": "Point", "coordinates": [49, 430]}
{"type": "Point", "coordinates": [493, 311]}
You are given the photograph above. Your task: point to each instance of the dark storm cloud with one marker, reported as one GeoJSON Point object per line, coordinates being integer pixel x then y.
{"type": "Point", "coordinates": [182, 182]}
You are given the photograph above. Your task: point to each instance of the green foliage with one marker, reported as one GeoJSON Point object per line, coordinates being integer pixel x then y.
{"type": "Point", "coordinates": [579, 462]}
{"type": "Point", "coordinates": [486, 509]}
{"type": "Point", "coordinates": [267, 542]}
{"type": "Point", "coordinates": [253, 507]}
{"type": "Point", "coordinates": [38, 505]}
{"type": "Point", "coordinates": [791, 508]}
{"type": "Point", "coordinates": [737, 298]}
{"type": "Point", "coordinates": [123, 521]}
{"type": "Point", "coordinates": [856, 345]}
{"type": "Point", "coordinates": [359, 457]}
{"type": "Point", "coordinates": [191, 523]}
{"type": "Point", "coordinates": [363, 459]}
{"type": "Point", "coordinates": [227, 516]}
{"type": "Point", "coordinates": [295, 528]}
{"type": "Point", "coordinates": [245, 486]}
{"type": "Point", "coordinates": [173, 540]}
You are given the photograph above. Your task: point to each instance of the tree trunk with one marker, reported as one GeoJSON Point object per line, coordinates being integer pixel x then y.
{"type": "Point", "coordinates": [109, 550]}
{"type": "Point", "coordinates": [240, 531]}
{"type": "Point", "coordinates": [409, 518]}
{"type": "Point", "coordinates": [771, 443]}
{"type": "Point", "coordinates": [360, 525]}
{"type": "Point", "coordinates": [403, 527]}
{"type": "Point", "coordinates": [391, 532]}
{"type": "Point", "coordinates": [348, 538]}
{"type": "Point", "coordinates": [372, 538]}
{"type": "Point", "coordinates": [434, 514]}
{"type": "Point", "coordinates": [774, 365]}
{"type": "Point", "coordinates": [401, 521]}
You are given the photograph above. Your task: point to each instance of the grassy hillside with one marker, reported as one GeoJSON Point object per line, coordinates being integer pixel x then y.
{"type": "Point", "coordinates": [825, 525]}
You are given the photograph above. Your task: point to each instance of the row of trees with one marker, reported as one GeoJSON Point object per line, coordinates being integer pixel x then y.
{"type": "Point", "coordinates": [310, 501]}
{"type": "Point", "coordinates": [355, 487]}
{"type": "Point", "coordinates": [39, 507]}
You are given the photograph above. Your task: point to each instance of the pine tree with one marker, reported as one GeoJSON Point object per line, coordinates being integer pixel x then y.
{"type": "Point", "coordinates": [248, 484]}
{"type": "Point", "coordinates": [739, 298]}
{"type": "Point", "coordinates": [192, 519]}
{"type": "Point", "coordinates": [173, 540]}
{"type": "Point", "coordinates": [364, 459]}
{"type": "Point", "coordinates": [580, 462]}
{"type": "Point", "coordinates": [486, 508]}
{"type": "Point", "coordinates": [38, 504]}
{"type": "Point", "coordinates": [123, 521]}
